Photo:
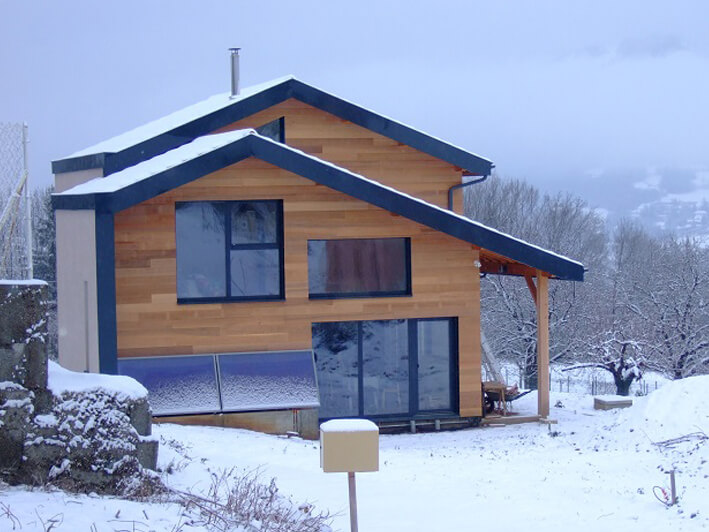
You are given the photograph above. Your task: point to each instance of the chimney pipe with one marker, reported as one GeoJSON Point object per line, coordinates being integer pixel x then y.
{"type": "Point", "coordinates": [234, 71]}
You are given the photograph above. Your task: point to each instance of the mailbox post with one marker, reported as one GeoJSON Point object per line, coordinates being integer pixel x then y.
{"type": "Point", "coordinates": [349, 446]}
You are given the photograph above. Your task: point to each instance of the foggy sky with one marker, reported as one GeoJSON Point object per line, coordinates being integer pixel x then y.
{"type": "Point", "coordinates": [581, 96]}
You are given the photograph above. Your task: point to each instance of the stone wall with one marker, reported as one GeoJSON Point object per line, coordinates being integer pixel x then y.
{"type": "Point", "coordinates": [95, 437]}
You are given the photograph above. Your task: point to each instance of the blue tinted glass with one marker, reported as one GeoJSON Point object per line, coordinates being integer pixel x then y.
{"type": "Point", "coordinates": [336, 358]}
{"type": "Point", "coordinates": [255, 272]}
{"type": "Point", "coordinates": [177, 385]}
{"type": "Point", "coordinates": [385, 367]}
{"type": "Point", "coordinates": [358, 266]}
{"type": "Point", "coordinates": [200, 239]}
{"type": "Point", "coordinates": [254, 222]}
{"type": "Point", "coordinates": [434, 364]}
{"type": "Point", "coordinates": [268, 381]}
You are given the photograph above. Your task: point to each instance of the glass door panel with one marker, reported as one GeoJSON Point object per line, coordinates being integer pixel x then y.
{"type": "Point", "coordinates": [385, 367]}
{"type": "Point", "coordinates": [434, 365]}
{"type": "Point", "coordinates": [336, 347]}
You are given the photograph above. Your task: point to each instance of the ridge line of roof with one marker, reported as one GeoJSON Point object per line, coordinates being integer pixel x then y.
{"type": "Point", "coordinates": [115, 154]}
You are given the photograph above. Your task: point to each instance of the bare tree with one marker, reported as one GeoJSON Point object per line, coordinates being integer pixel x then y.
{"type": "Point", "coordinates": [671, 300]}
{"type": "Point", "coordinates": [561, 223]}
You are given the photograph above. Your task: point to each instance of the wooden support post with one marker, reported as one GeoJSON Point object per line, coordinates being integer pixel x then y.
{"type": "Point", "coordinates": [542, 302]}
{"type": "Point", "coordinates": [353, 501]}
{"type": "Point", "coordinates": [532, 288]}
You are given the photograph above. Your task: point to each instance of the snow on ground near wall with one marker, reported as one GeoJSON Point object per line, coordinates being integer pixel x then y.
{"type": "Point", "coordinates": [593, 471]}
{"type": "Point", "coordinates": [62, 380]}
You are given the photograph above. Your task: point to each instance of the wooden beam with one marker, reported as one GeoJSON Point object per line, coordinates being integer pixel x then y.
{"type": "Point", "coordinates": [504, 268]}
{"type": "Point", "coordinates": [532, 287]}
{"type": "Point", "coordinates": [542, 304]}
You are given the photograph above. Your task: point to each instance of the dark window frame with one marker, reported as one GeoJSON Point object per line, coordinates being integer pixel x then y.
{"type": "Point", "coordinates": [413, 347]}
{"type": "Point", "coordinates": [229, 247]}
{"type": "Point", "coordinates": [406, 292]}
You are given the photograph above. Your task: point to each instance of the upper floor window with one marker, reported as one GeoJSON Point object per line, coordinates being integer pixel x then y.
{"type": "Point", "coordinates": [371, 267]}
{"type": "Point", "coordinates": [229, 250]}
{"type": "Point", "coordinates": [275, 130]}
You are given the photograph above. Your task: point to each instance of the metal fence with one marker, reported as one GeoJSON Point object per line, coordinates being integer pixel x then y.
{"type": "Point", "coordinates": [15, 206]}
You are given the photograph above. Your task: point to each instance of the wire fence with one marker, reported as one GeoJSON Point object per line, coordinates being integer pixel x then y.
{"type": "Point", "coordinates": [15, 232]}
{"type": "Point", "coordinates": [585, 381]}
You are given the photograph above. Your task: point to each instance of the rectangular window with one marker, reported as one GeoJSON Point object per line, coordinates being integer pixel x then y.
{"type": "Point", "coordinates": [372, 267]}
{"type": "Point", "coordinates": [229, 251]}
{"type": "Point", "coordinates": [399, 369]}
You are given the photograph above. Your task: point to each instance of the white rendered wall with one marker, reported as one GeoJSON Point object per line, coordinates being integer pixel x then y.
{"type": "Point", "coordinates": [76, 290]}
{"type": "Point", "coordinates": [67, 180]}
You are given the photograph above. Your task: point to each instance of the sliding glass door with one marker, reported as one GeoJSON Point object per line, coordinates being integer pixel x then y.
{"type": "Point", "coordinates": [387, 368]}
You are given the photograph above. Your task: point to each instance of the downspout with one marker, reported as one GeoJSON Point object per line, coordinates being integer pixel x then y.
{"type": "Point", "coordinates": [462, 185]}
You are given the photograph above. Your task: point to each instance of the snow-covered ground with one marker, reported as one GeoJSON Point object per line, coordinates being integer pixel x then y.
{"type": "Point", "coordinates": [594, 470]}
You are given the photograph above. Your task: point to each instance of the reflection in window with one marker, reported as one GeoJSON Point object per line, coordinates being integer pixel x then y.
{"type": "Point", "coordinates": [336, 360]}
{"type": "Point", "coordinates": [434, 364]}
{"type": "Point", "coordinates": [254, 222]}
{"type": "Point", "coordinates": [385, 367]}
{"type": "Point", "coordinates": [200, 250]}
{"type": "Point", "coordinates": [229, 250]}
{"type": "Point", "coordinates": [275, 130]}
{"type": "Point", "coordinates": [267, 381]}
{"type": "Point", "coordinates": [359, 267]}
{"type": "Point", "coordinates": [176, 385]}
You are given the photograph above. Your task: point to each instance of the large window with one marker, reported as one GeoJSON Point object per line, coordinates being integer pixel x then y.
{"type": "Point", "coordinates": [238, 382]}
{"type": "Point", "coordinates": [229, 250]}
{"type": "Point", "coordinates": [386, 369]}
{"type": "Point", "coordinates": [359, 267]}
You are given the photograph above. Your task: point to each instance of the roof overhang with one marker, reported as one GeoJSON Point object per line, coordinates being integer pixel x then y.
{"type": "Point", "coordinates": [229, 148]}
{"type": "Point", "coordinates": [129, 154]}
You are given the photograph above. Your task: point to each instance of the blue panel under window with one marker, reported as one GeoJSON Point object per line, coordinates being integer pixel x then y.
{"type": "Point", "coordinates": [268, 381]}
{"type": "Point", "coordinates": [177, 385]}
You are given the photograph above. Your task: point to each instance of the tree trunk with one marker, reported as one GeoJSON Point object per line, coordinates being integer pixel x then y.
{"type": "Point", "coordinates": [622, 386]}
{"type": "Point", "coordinates": [531, 380]}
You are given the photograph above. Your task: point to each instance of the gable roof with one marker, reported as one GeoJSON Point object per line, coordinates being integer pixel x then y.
{"type": "Point", "coordinates": [216, 112]}
{"type": "Point", "coordinates": [213, 152]}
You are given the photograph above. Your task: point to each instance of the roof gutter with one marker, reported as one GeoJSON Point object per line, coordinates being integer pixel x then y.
{"type": "Point", "coordinates": [462, 185]}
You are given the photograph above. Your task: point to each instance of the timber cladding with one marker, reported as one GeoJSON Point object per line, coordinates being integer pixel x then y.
{"type": "Point", "coordinates": [445, 279]}
{"type": "Point", "coordinates": [360, 150]}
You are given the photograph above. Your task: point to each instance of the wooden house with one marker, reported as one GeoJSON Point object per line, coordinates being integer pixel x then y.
{"type": "Point", "coordinates": [281, 255]}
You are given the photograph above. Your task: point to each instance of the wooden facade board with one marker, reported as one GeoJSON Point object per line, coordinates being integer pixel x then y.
{"type": "Point", "coordinates": [445, 281]}
{"type": "Point", "coordinates": [360, 150]}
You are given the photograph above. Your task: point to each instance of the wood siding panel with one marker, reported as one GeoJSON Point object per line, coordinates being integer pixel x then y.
{"type": "Point", "coordinates": [360, 150]}
{"type": "Point", "coordinates": [445, 279]}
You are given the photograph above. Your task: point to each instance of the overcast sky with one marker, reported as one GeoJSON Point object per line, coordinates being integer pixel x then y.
{"type": "Point", "coordinates": [578, 96]}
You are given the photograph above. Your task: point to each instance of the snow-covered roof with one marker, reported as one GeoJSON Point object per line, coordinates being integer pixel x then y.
{"type": "Point", "coordinates": [174, 120]}
{"type": "Point", "coordinates": [221, 110]}
{"type": "Point", "coordinates": [158, 164]}
{"type": "Point", "coordinates": [163, 168]}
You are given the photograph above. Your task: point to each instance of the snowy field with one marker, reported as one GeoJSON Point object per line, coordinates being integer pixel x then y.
{"type": "Point", "coordinates": [593, 471]}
